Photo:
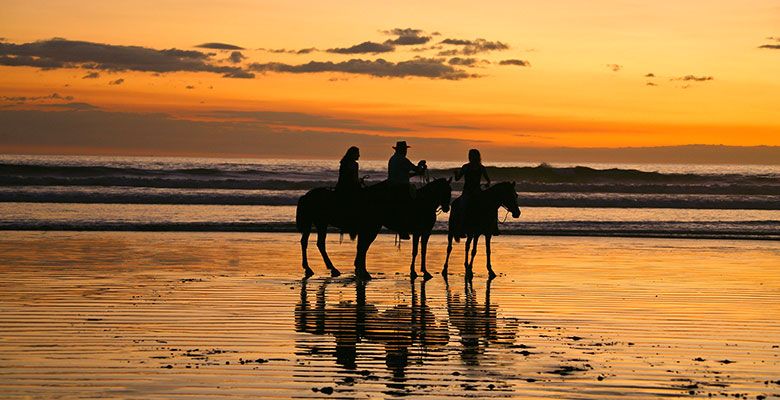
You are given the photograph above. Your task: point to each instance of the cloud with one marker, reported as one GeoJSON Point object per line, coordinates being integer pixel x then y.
{"type": "Point", "coordinates": [419, 67]}
{"type": "Point", "coordinates": [239, 74]}
{"type": "Point", "coordinates": [514, 61]}
{"type": "Point", "coordinates": [301, 120]}
{"type": "Point", "coordinates": [299, 51]}
{"type": "Point", "coordinates": [615, 67]}
{"type": "Point", "coordinates": [27, 99]}
{"type": "Point", "coordinates": [650, 75]}
{"type": "Point", "coordinates": [365, 47]}
{"type": "Point", "coordinates": [63, 53]}
{"type": "Point", "coordinates": [770, 46]}
{"type": "Point", "coordinates": [117, 81]}
{"type": "Point", "coordinates": [471, 47]}
{"type": "Point", "coordinates": [189, 87]}
{"type": "Point", "coordinates": [91, 75]}
{"type": "Point", "coordinates": [694, 78]}
{"type": "Point", "coordinates": [407, 37]}
{"type": "Point", "coordinates": [236, 57]}
{"type": "Point", "coordinates": [651, 84]}
{"type": "Point", "coordinates": [75, 106]}
{"type": "Point", "coordinates": [469, 62]}
{"type": "Point", "coordinates": [456, 127]}
{"type": "Point", "coordinates": [219, 46]}
{"type": "Point", "coordinates": [104, 132]}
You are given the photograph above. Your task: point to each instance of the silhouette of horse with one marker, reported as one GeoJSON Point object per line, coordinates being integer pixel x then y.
{"type": "Point", "coordinates": [483, 221]}
{"type": "Point", "coordinates": [420, 218]}
{"type": "Point", "coordinates": [423, 219]}
{"type": "Point", "coordinates": [373, 208]}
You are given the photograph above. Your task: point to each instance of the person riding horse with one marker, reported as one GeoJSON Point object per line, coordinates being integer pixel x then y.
{"type": "Point", "coordinates": [399, 170]}
{"type": "Point", "coordinates": [472, 172]}
{"type": "Point", "coordinates": [348, 189]}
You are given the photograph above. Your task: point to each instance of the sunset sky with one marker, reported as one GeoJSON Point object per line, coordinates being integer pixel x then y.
{"type": "Point", "coordinates": [304, 79]}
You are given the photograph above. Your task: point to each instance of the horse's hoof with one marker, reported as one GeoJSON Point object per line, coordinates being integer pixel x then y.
{"type": "Point", "coordinates": [362, 275]}
{"type": "Point", "coordinates": [491, 275]}
{"type": "Point", "coordinates": [334, 272]}
{"type": "Point", "coordinates": [307, 273]}
{"type": "Point", "coordinates": [427, 276]}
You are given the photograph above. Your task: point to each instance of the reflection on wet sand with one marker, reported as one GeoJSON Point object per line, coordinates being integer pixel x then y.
{"type": "Point", "coordinates": [405, 335]}
{"type": "Point", "coordinates": [404, 331]}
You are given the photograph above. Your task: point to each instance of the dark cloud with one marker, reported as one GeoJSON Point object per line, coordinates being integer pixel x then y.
{"type": "Point", "coordinates": [471, 47]}
{"type": "Point", "coordinates": [63, 53]}
{"type": "Point", "coordinates": [650, 75]}
{"type": "Point", "coordinates": [91, 75]}
{"type": "Point", "coordinates": [365, 47]}
{"type": "Point", "coordinates": [407, 37]}
{"type": "Point", "coordinates": [514, 61]}
{"type": "Point", "coordinates": [301, 120]}
{"type": "Point", "coordinates": [651, 84]}
{"type": "Point", "coordinates": [189, 87]}
{"type": "Point", "coordinates": [615, 67]}
{"type": "Point", "coordinates": [219, 46]}
{"type": "Point", "coordinates": [300, 51]}
{"type": "Point", "coordinates": [420, 67]}
{"type": "Point", "coordinates": [27, 99]}
{"type": "Point", "coordinates": [236, 57]}
{"type": "Point", "coordinates": [469, 62]}
{"type": "Point", "coordinates": [694, 78]}
{"type": "Point", "coordinates": [117, 81]}
{"type": "Point", "coordinates": [770, 46]}
{"type": "Point", "coordinates": [106, 132]}
{"type": "Point", "coordinates": [239, 74]}
{"type": "Point", "coordinates": [75, 106]}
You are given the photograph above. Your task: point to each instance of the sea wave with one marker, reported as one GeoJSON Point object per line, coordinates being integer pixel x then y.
{"type": "Point", "coordinates": [542, 178]}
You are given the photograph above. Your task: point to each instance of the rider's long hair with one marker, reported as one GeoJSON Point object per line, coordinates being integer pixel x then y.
{"type": "Point", "coordinates": [475, 157]}
{"type": "Point", "coordinates": [351, 154]}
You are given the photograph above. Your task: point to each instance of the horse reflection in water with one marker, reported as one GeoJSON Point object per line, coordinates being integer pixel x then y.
{"type": "Point", "coordinates": [404, 331]}
{"type": "Point", "coordinates": [407, 335]}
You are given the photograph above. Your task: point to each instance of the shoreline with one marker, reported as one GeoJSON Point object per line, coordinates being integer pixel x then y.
{"type": "Point", "coordinates": [290, 228]}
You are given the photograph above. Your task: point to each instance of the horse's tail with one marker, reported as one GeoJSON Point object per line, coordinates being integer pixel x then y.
{"type": "Point", "coordinates": [302, 220]}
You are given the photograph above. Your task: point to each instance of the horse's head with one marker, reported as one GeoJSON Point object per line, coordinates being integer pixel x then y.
{"type": "Point", "coordinates": [444, 193]}
{"type": "Point", "coordinates": [507, 197]}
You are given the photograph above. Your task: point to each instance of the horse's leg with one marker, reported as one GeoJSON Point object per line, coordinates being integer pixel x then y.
{"type": "Point", "coordinates": [415, 244]}
{"type": "Point", "coordinates": [322, 234]}
{"type": "Point", "coordinates": [473, 255]}
{"type": "Point", "coordinates": [307, 272]}
{"type": "Point", "coordinates": [491, 274]}
{"type": "Point", "coordinates": [364, 242]}
{"type": "Point", "coordinates": [423, 254]}
{"type": "Point", "coordinates": [447, 259]}
{"type": "Point", "coordinates": [469, 274]}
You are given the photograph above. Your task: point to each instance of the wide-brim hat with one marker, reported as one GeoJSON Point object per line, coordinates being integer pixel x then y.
{"type": "Point", "coordinates": [401, 144]}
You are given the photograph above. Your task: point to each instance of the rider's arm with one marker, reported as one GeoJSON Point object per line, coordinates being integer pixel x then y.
{"type": "Point", "coordinates": [460, 172]}
{"type": "Point", "coordinates": [485, 174]}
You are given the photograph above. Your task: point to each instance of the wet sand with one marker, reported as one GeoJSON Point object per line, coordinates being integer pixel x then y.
{"type": "Point", "coordinates": [166, 315]}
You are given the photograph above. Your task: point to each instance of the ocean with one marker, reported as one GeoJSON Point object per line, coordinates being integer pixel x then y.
{"type": "Point", "coordinates": [214, 194]}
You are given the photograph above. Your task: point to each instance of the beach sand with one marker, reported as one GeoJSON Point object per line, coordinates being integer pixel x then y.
{"type": "Point", "coordinates": [167, 315]}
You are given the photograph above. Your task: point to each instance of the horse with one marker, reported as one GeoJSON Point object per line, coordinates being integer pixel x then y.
{"type": "Point", "coordinates": [423, 218]}
{"type": "Point", "coordinates": [483, 221]}
{"type": "Point", "coordinates": [419, 218]}
{"type": "Point", "coordinates": [373, 208]}
{"type": "Point", "coordinates": [318, 207]}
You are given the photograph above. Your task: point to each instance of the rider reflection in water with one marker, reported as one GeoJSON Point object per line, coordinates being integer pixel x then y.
{"type": "Point", "coordinates": [399, 170]}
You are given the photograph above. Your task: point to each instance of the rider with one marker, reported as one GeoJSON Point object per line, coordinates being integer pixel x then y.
{"type": "Point", "coordinates": [473, 171]}
{"type": "Point", "coordinates": [347, 188]}
{"type": "Point", "coordinates": [399, 170]}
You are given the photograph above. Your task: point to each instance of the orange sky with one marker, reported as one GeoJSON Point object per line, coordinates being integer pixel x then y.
{"type": "Point", "coordinates": [585, 85]}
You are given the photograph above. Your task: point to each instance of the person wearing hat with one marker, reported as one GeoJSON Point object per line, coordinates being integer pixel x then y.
{"type": "Point", "coordinates": [399, 170]}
